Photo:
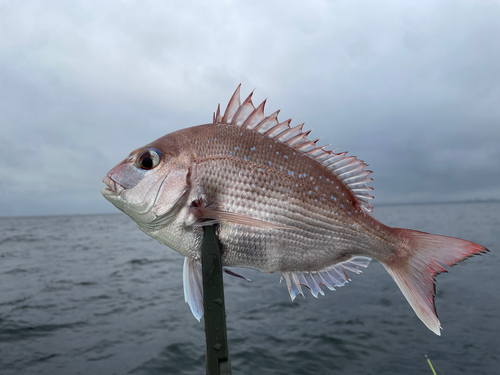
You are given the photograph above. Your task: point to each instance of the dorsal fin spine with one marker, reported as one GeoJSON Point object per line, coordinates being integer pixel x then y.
{"type": "Point", "coordinates": [217, 117]}
{"type": "Point", "coordinates": [315, 150]}
{"type": "Point", "coordinates": [297, 138]}
{"type": "Point", "coordinates": [347, 167]}
{"type": "Point", "coordinates": [241, 114]}
{"type": "Point", "coordinates": [278, 129]}
{"type": "Point", "coordinates": [256, 117]}
{"type": "Point", "coordinates": [288, 134]}
{"type": "Point", "coordinates": [232, 106]}
{"type": "Point", "coordinates": [268, 122]}
{"type": "Point", "coordinates": [307, 144]}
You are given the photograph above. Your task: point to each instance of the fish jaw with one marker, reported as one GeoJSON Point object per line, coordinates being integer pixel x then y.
{"type": "Point", "coordinates": [130, 192]}
{"type": "Point", "coordinates": [113, 188]}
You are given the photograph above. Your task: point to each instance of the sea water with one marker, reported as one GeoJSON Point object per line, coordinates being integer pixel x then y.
{"type": "Point", "coordinates": [94, 295]}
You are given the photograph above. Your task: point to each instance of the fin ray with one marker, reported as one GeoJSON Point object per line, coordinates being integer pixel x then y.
{"type": "Point", "coordinates": [208, 216]}
{"type": "Point", "coordinates": [348, 169]}
{"type": "Point", "coordinates": [193, 286]}
{"type": "Point", "coordinates": [331, 277]}
{"type": "Point", "coordinates": [415, 274]}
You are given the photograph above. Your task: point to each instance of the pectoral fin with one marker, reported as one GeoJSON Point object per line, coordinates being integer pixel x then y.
{"type": "Point", "coordinates": [209, 216]}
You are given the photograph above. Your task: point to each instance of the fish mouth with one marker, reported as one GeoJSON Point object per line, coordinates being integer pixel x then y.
{"type": "Point", "coordinates": [113, 187]}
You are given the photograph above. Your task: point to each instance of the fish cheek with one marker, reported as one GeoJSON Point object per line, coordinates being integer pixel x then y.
{"type": "Point", "coordinates": [173, 189]}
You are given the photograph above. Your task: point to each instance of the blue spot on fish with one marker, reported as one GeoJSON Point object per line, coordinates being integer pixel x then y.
{"type": "Point", "coordinates": [253, 149]}
{"type": "Point", "coordinates": [236, 148]}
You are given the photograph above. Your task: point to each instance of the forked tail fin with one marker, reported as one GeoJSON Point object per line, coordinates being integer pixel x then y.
{"type": "Point", "coordinates": [415, 271]}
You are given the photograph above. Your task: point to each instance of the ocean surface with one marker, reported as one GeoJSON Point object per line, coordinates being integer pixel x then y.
{"type": "Point", "coordinates": [94, 295]}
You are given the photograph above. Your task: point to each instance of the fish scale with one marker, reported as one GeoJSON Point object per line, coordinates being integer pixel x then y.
{"type": "Point", "coordinates": [280, 202]}
{"type": "Point", "coordinates": [224, 152]}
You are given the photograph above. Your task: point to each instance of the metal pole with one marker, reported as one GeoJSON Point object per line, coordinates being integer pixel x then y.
{"type": "Point", "coordinates": [216, 351]}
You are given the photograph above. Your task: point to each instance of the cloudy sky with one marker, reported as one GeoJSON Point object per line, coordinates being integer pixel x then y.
{"type": "Point", "coordinates": [412, 88]}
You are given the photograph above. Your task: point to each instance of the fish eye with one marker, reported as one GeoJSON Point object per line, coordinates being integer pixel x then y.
{"type": "Point", "coordinates": [149, 159]}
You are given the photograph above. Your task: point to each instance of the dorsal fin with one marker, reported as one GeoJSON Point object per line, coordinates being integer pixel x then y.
{"type": "Point", "coordinates": [348, 169]}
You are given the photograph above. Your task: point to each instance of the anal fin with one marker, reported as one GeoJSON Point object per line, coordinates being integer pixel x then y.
{"type": "Point", "coordinates": [330, 277]}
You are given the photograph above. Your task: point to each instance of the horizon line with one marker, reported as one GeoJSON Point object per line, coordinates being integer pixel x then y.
{"type": "Point", "coordinates": [388, 204]}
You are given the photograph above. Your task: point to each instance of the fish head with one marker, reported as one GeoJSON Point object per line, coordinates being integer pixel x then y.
{"type": "Point", "coordinates": [150, 183]}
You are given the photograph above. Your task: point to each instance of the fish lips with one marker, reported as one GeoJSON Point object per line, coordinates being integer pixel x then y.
{"type": "Point", "coordinates": [124, 172]}
{"type": "Point", "coordinates": [113, 188]}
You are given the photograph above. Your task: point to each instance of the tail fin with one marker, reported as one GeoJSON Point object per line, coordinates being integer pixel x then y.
{"type": "Point", "coordinates": [416, 272]}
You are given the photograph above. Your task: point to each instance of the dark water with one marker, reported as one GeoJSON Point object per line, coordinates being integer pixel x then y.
{"type": "Point", "coordinates": [94, 295]}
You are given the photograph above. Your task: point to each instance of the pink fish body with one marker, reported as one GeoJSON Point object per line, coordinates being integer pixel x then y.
{"type": "Point", "coordinates": [281, 203]}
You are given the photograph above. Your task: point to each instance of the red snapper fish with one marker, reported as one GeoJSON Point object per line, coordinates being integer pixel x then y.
{"type": "Point", "coordinates": [281, 204]}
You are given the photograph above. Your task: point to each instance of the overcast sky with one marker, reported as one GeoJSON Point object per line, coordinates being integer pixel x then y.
{"type": "Point", "coordinates": [412, 88]}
